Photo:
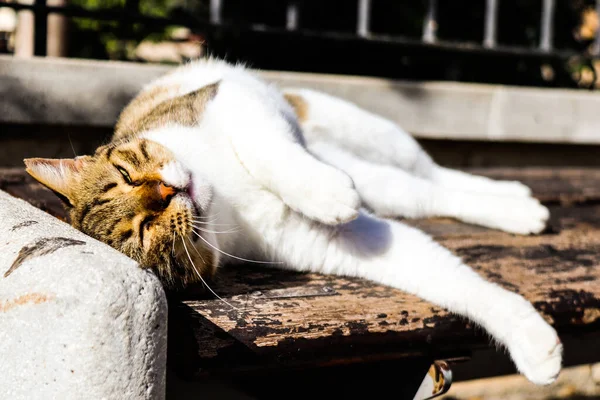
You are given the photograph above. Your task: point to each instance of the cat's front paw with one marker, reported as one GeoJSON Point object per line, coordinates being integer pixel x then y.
{"type": "Point", "coordinates": [329, 197]}
{"type": "Point", "coordinates": [537, 350]}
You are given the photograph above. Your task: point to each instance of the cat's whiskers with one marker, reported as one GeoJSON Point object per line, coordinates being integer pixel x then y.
{"type": "Point", "coordinates": [173, 249]}
{"type": "Point", "coordinates": [208, 224]}
{"type": "Point", "coordinates": [211, 224]}
{"type": "Point", "coordinates": [195, 249]}
{"type": "Point", "coordinates": [72, 147]}
{"type": "Point", "coordinates": [233, 230]}
{"type": "Point", "coordinates": [204, 222]}
{"type": "Point", "coordinates": [207, 216]}
{"type": "Point", "coordinates": [202, 279]}
{"type": "Point", "coordinates": [213, 216]}
{"type": "Point", "coordinates": [231, 255]}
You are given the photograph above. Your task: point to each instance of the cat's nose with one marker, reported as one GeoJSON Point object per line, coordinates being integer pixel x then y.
{"type": "Point", "coordinates": [166, 191]}
{"type": "Point", "coordinates": [158, 195]}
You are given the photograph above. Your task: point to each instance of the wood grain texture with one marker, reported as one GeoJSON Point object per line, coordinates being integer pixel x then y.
{"type": "Point", "coordinates": [301, 319]}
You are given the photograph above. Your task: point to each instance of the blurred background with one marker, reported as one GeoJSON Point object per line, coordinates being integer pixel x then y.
{"type": "Point", "coordinates": [533, 43]}
{"type": "Point", "coordinates": [527, 42]}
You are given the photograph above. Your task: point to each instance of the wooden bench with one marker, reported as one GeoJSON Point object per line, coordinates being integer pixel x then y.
{"type": "Point", "coordinates": [313, 335]}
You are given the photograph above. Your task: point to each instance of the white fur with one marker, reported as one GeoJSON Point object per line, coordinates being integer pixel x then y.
{"type": "Point", "coordinates": [392, 191]}
{"type": "Point", "coordinates": [281, 198]}
{"type": "Point", "coordinates": [175, 174]}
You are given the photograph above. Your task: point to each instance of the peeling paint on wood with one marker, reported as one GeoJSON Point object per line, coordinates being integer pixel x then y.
{"type": "Point", "coordinates": [559, 273]}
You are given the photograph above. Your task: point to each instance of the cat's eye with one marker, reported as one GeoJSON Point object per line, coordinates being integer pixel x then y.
{"type": "Point", "coordinates": [125, 174]}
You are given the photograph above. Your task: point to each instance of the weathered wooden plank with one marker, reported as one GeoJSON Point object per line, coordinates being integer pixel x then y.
{"type": "Point", "coordinates": [351, 320]}
{"type": "Point", "coordinates": [323, 320]}
{"type": "Point", "coordinates": [559, 272]}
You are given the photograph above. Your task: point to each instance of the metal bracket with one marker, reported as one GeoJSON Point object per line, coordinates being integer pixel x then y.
{"type": "Point", "coordinates": [437, 381]}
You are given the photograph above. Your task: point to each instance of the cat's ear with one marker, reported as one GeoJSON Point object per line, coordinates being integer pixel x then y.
{"type": "Point", "coordinates": [103, 148]}
{"type": "Point", "coordinates": [58, 175]}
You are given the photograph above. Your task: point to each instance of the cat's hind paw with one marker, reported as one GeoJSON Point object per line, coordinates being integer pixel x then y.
{"type": "Point", "coordinates": [523, 216]}
{"type": "Point", "coordinates": [459, 180]}
{"type": "Point", "coordinates": [508, 188]}
{"type": "Point", "coordinates": [537, 351]}
{"type": "Point", "coordinates": [329, 198]}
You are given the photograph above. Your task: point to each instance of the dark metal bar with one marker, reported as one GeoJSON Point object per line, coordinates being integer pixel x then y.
{"type": "Point", "coordinates": [447, 47]}
{"type": "Point", "coordinates": [216, 7]}
{"type": "Point", "coordinates": [595, 50]}
{"type": "Point", "coordinates": [491, 17]}
{"type": "Point", "coordinates": [116, 13]}
{"type": "Point", "coordinates": [430, 23]}
{"type": "Point", "coordinates": [132, 6]}
{"type": "Point", "coordinates": [40, 28]}
{"type": "Point", "coordinates": [292, 11]}
{"type": "Point", "coordinates": [546, 25]}
{"type": "Point", "coordinates": [364, 17]}
{"type": "Point", "coordinates": [125, 27]}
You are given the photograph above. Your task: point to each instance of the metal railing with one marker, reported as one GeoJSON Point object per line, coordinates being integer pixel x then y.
{"type": "Point", "coordinates": [429, 40]}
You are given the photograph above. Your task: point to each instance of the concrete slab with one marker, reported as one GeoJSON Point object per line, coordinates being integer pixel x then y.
{"type": "Point", "coordinates": [92, 93]}
{"type": "Point", "coordinates": [78, 319]}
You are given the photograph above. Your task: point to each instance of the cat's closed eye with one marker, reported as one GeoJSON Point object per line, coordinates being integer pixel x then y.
{"type": "Point", "coordinates": [126, 176]}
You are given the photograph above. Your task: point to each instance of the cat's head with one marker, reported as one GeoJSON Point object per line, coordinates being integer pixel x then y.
{"type": "Point", "coordinates": [136, 197]}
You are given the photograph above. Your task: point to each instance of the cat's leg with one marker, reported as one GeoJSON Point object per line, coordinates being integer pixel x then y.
{"type": "Point", "coordinates": [452, 178]}
{"type": "Point", "coordinates": [390, 191]}
{"type": "Point", "coordinates": [271, 151]}
{"type": "Point", "coordinates": [400, 256]}
{"type": "Point", "coordinates": [367, 135]}
{"type": "Point", "coordinates": [376, 139]}
{"type": "Point", "coordinates": [305, 184]}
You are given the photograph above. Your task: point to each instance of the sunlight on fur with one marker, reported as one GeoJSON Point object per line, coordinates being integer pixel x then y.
{"type": "Point", "coordinates": [209, 165]}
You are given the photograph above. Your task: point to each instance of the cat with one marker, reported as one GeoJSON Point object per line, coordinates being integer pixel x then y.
{"type": "Point", "coordinates": [210, 165]}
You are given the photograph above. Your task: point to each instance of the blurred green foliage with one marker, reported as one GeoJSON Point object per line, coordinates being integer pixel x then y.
{"type": "Point", "coordinates": [113, 39]}
{"type": "Point", "coordinates": [459, 21]}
